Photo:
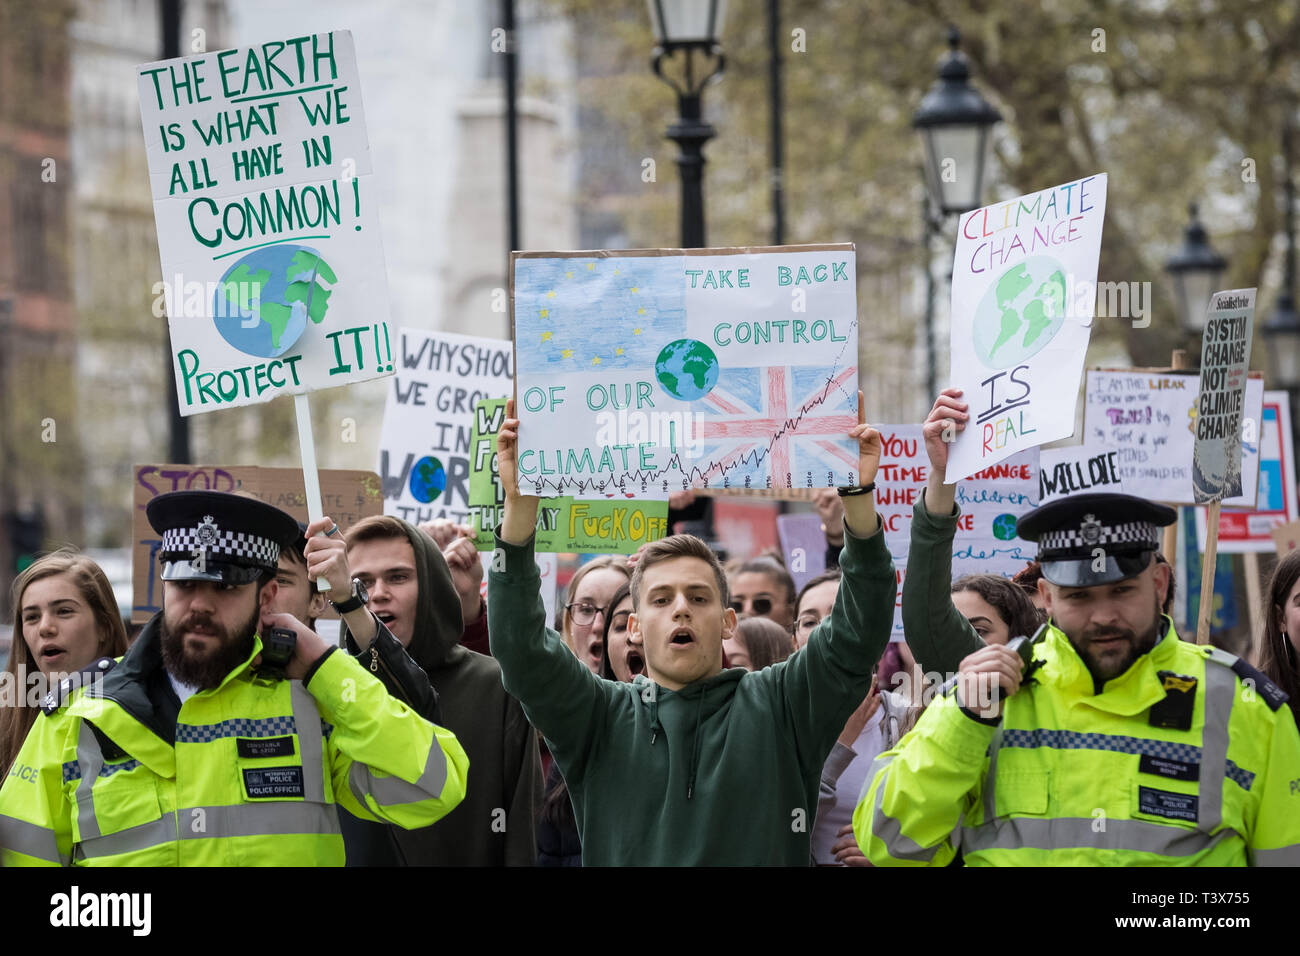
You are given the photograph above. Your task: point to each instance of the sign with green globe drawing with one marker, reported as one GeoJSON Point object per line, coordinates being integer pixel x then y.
{"type": "Point", "coordinates": [644, 372]}
{"type": "Point", "coordinates": [1020, 313]}
{"type": "Point", "coordinates": [273, 270]}
{"type": "Point", "coordinates": [1024, 290]}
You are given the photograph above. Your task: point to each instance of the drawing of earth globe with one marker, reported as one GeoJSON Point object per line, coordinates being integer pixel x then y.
{"type": "Point", "coordinates": [428, 479]}
{"type": "Point", "coordinates": [687, 369]}
{"type": "Point", "coordinates": [1004, 527]}
{"type": "Point", "coordinates": [1021, 312]}
{"type": "Point", "coordinates": [264, 300]}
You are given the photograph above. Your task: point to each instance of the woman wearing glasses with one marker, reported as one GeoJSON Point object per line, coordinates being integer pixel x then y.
{"type": "Point", "coordinates": [583, 623]}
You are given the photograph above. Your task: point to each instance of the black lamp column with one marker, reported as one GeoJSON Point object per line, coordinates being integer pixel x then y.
{"type": "Point", "coordinates": [955, 123]}
{"type": "Point", "coordinates": [689, 27]}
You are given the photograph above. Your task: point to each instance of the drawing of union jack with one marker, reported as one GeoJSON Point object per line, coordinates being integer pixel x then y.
{"type": "Point", "coordinates": [779, 421]}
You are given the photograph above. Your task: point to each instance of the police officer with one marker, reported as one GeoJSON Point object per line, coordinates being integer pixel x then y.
{"type": "Point", "coordinates": [1118, 744]}
{"type": "Point", "coordinates": [227, 733]}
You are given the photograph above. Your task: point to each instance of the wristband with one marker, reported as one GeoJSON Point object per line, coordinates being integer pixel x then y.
{"type": "Point", "coordinates": [848, 491]}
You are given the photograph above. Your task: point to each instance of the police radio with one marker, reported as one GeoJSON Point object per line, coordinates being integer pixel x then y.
{"type": "Point", "coordinates": [1024, 647]}
{"type": "Point", "coordinates": [277, 651]}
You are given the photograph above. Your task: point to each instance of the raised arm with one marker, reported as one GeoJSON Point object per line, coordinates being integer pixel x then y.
{"type": "Point", "coordinates": [561, 697]}
{"type": "Point", "coordinates": [938, 635]}
{"type": "Point", "coordinates": [822, 684]}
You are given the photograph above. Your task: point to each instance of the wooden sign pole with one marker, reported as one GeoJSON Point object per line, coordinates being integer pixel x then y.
{"type": "Point", "coordinates": [310, 475]}
{"type": "Point", "coordinates": [1177, 361]}
{"type": "Point", "coordinates": [1207, 573]}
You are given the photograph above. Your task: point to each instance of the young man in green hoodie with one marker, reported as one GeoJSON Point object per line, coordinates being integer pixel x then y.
{"type": "Point", "coordinates": [691, 764]}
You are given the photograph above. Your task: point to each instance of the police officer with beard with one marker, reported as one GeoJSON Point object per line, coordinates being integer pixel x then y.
{"type": "Point", "coordinates": [227, 734]}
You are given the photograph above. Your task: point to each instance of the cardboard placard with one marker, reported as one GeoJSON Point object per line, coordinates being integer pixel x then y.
{"type": "Point", "coordinates": [1024, 289]}
{"type": "Point", "coordinates": [273, 269]}
{"type": "Point", "coordinates": [348, 496]}
{"type": "Point", "coordinates": [654, 371]}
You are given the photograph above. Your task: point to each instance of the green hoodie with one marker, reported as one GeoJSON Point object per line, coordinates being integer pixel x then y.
{"type": "Point", "coordinates": [724, 771]}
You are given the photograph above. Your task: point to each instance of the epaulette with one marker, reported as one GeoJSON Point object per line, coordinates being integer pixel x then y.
{"type": "Point", "coordinates": [55, 700]}
{"type": "Point", "coordinates": [1273, 695]}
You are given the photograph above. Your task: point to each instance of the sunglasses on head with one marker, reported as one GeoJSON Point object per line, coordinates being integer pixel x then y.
{"type": "Point", "coordinates": [761, 605]}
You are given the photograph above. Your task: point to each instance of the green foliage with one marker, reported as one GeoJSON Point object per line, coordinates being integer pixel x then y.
{"type": "Point", "coordinates": [1180, 95]}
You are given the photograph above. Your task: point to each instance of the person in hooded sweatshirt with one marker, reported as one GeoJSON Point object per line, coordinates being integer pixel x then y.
{"type": "Point", "coordinates": [691, 764]}
{"type": "Point", "coordinates": [410, 589]}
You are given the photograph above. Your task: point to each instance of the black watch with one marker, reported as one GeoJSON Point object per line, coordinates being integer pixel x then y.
{"type": "Point", "coordinates": [848, 491]}
{"type": "Point", "coordinates": [358, 599]}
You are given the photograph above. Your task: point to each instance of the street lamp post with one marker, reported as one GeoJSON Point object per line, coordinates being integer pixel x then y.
{"type": "Point", "coordinates": [955, 123]}
{"type": "Point", "coordinates": [689, 27]}
{"type": "Point", "coordinates": [1197, 270]}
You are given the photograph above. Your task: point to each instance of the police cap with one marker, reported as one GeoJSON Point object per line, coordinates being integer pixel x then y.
{"type": "Point", "coordinates": [1074, 533]}
{"type": "Point", "coordinates": [219, 537]}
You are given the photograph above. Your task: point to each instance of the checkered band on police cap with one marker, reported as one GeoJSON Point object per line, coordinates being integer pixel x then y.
{"type": "Point", "coordinates": [238, 546]}
{"type": "Point", "coordinates": [1130, 535]}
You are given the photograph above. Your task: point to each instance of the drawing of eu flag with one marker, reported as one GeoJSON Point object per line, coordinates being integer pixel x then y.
{"type": "Point", "coordinates": [580, 314]}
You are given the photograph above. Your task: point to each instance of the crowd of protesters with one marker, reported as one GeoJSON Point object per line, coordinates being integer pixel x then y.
{"type": "Point", "coordinates": [671, 683]}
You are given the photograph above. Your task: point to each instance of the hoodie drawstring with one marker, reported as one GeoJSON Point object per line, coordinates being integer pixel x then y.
{"type": "Point", "coordinates": [695, 748]}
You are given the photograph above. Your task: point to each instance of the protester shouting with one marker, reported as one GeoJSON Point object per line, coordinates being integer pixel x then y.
{"type": "Point", "coordinates": [655, 765]}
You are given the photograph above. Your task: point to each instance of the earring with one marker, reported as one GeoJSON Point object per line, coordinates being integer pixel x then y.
{"type": "Point", "coordinates": [1289, 649]}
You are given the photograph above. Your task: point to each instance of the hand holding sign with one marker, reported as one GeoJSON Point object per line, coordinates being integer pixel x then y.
{"type": "Point", "coordinates": [946, 420]}
{"type": "Point", "coordinates": [327, 557]}
{"type": "Point", "coordinates": [860, 510]}
{"type": "Point", "coordinates": [520, 520]}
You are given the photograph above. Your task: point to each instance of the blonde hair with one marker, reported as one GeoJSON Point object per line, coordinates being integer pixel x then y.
{"type": "Point", "coordinates": [95, 590]}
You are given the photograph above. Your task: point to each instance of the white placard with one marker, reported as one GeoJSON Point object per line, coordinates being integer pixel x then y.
{"type": "Point", "coordinates": [424, 443]}
{"type": "Point", "coordinates": [1023, 293]}
{"type": "Point", "coordinates": [650, 371]}
{"type": "Point", "coordinates": [273, 269]}
{"type": "Point", "coordinates": [1150, 418]}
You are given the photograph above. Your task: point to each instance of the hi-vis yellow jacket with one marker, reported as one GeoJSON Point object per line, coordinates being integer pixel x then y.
{"type": "Point", "coordinates": [1071, 777]}
{"type": "Point", "coordinates": [248, 774]}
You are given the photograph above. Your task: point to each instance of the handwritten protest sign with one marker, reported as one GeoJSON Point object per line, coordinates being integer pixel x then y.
{"type": "Point", "coordinates": [424, 443]}
{"type": "Point", "coordinates": [1150, 419]}
{"type": "Point", "coordinates": [1225, 359]}
{"type": "Point", "coordinates": [617, 526]}
{"type": "Point", "coordinates": [991, 502]}
{"type": "Point", "coordinates": [347, 496]}
{"type": "Point", "coordinates": [1244, 531]}
{"type": "Point", "coordinates": [1076, 469]}
{"type": "Point", "coordinates": [1023, 293]}
{"type": "Point", "coordinates": [273, 271]}
{"type": "Point", "coordinates": [653, 371]}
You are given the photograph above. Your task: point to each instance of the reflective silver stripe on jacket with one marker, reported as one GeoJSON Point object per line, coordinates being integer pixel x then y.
{"type": "Point", "coordinates": [885, 828]}
{"type": "Point", "coordinates": [1060, 833]}
{"type": "Point", "coordinates": [391, 791]}
{"type": "Point", "coordinates": [208, 823]}
{"type": "Point", "coordinates": [90, 760]}
{"type": "Point", "coordinates": [258, 819]}
{"type": "Point", "coordinates": [19, 836]}
{"type": "Point", "coordinates": [142, 837]}
{"type": "Point", "coordinates": [1220, 689]}
{"type": "Point", "coordinates": [307, 716]}
{"type": "Point", "coordinates": [1282, 856]}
